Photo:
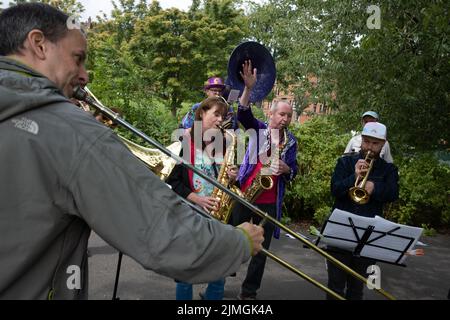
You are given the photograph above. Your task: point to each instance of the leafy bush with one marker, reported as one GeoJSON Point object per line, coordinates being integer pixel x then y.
{"type": "Point", "coordinates": [321, 214]}
{"type": "Point", "coordinates": [424, 192]}
{"type": "Point", "coordinates": [319, 146]}
{"type": "Point", "coordinates": [424, 181]}
{"type": "Point", "coordinates": [149, 116]}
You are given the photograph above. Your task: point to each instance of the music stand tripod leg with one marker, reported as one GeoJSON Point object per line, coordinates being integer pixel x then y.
{"type": "Point", "coordinates": [119, 263]}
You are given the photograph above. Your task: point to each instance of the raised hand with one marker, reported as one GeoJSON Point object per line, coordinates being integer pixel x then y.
{"type": "Point", "coordinates": [248, 74]}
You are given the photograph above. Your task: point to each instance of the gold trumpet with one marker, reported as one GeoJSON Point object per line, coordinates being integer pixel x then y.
{"type": "Point", "coordinates": [358, 193]}
{"type": "Point", "coordinates": [82, 95]}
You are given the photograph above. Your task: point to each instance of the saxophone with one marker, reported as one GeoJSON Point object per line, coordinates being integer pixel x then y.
{"type": "Point", "coordinates": [226, 202]}
{"type": "Point", "coordinates": [263, 182]}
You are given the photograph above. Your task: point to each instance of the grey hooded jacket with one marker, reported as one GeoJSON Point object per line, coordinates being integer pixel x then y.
{"type": "Point", "coordinates": [62, 174]}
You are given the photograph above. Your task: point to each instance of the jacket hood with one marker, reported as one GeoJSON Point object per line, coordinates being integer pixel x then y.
{"type": "Point", "coordinates": [23, 89]}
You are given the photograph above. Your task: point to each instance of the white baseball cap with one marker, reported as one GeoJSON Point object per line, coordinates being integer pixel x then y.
{"type": "Point", "coordinates": [372, 114]}
{"type": "Point", "coordinates": [374, 130]}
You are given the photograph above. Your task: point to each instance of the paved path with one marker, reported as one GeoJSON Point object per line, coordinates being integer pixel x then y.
{"type": "Point", "coordinates": [426, 277]}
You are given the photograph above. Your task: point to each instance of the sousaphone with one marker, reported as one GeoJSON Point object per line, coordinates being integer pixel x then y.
{"type": "Point", "coordinates": [261, 59]}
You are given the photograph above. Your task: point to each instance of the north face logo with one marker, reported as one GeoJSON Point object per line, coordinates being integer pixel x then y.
{"type": "Point", "coordinates": [26, 124]}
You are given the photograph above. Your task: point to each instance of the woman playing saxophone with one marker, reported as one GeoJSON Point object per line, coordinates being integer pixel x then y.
{"type": "Point", "coordinates": [203, 154]}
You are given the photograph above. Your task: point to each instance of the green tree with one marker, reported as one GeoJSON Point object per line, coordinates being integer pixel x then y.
{"type": "Point", "coordinates": [401, 69]}
{"type": "Point", "coordinates": [126, 13]}
{"type": "Point", "coordinates": [145, 60]}
{"type": "Point", "coordinates": [113, 73]}
{"type": "Point", "coordinates": [194, 8]}
{"type": "Point", "coordinates": [145, 51]}
{"type": "Point", "coordinates": [175, 53]}
{"type": "Point", "coordinates": [228, 28]}
{"type": "Point", "coordinates": [264, 21]}
{"type": "Point", "coordinates": [164, 49]}
{"type": "Point", "coordinates": [319, 147]}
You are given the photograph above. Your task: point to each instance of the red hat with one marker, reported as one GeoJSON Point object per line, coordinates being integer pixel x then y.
{"type": "Point", "coordinates": [214, 82]}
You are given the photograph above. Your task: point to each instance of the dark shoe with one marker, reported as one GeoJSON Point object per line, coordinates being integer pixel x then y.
{"type": "Point", "coordinates": [202, 295]}
{"type": "Point", "coordinates": [241, 296]}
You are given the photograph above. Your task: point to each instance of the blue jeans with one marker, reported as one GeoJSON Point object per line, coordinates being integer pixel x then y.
{"type": "Point", "coordinates": [214, 291]}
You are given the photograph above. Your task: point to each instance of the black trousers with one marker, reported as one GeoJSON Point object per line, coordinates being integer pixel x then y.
{"type": "Point", "coordinates": [257, 264]}
{"type": "Point", "coordinates": [339, 280]}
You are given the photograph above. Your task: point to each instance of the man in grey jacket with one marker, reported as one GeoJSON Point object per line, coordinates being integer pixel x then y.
{"type": "Point", "coordinates": [57, 162]}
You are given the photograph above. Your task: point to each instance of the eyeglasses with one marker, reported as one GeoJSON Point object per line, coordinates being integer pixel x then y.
{"type": "Point", "coordinates": [217, 90]}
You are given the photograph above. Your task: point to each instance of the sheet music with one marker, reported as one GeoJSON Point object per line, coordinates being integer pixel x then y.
{"type": "Point", "coordinates": [383, 244]}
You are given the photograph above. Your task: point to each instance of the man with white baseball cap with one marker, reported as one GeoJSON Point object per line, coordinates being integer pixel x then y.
{"type": "Point", "coordinates": [354, 145]}
{"type": "Point", "coordinates": [370, 114]}
{"type": "Point", "coordinates": [374, 129]}
{"type": "Point", "coordinates": [381, 186]}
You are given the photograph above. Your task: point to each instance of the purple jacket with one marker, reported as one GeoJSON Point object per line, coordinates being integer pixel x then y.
{"type": "Point", "coordinates": [288, 155]}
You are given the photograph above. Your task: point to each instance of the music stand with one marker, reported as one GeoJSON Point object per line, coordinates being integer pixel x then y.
{"type": "Point", "coordinates": [374, 238]}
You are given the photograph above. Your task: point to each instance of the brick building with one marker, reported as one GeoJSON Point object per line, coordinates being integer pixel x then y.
{"type": "Point", "coordinates": [301, 113]}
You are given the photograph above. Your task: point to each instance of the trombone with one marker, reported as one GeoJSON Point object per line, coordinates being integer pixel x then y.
{"type": "Point", "coordinates": [86, 96]}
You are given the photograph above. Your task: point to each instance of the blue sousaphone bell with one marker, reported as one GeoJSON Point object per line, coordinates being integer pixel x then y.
{"type": "Point", "coordinates": [261, 59]}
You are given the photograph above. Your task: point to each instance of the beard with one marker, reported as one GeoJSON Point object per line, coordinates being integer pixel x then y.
{"type": "Point", "coordinates": [373, 154]}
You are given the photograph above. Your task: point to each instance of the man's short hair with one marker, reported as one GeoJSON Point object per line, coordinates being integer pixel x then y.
{"type": "Point", "coordinates": [275, 104]}
{"type": "Point", "coordinates": [17, 21]}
